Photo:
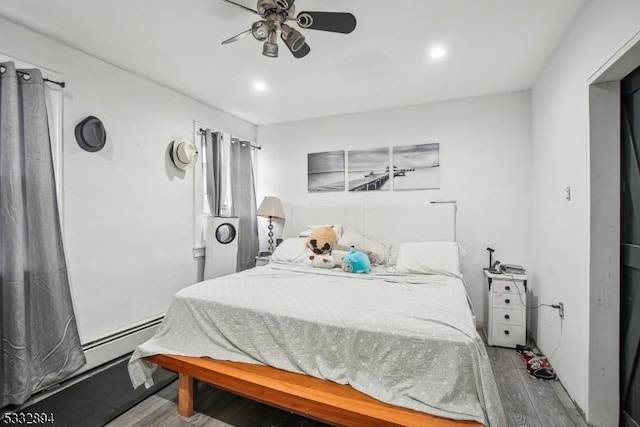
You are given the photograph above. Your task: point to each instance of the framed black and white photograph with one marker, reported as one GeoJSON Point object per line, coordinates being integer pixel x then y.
{"type": "Point", "coordinates": [416, 167]}
{"type": "Point", "coordinates": [369, 170]}
{"type": "Point", "coordinates": [325, 171]}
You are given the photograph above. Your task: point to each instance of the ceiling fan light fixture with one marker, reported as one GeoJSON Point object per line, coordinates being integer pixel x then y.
{"type": "Point", "coordinates": [293, 38]}
{"type": "Point", "coordinates": [260, 30]}
{"type": "Point", "coordinates": [305, 20]}
{"type": "Point", "coordinates": [270, 47]}
{"type": "Point", "coordinates": [270, 50]}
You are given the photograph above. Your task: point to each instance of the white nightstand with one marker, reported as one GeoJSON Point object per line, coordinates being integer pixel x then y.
{"type": "Point", "coordinates": [505, 315]}
{"type": "Point", "coordinates": [262, 260]}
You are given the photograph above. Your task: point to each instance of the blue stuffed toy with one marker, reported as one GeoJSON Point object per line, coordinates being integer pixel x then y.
{"type": "Point", "coordinates": [356, 262]}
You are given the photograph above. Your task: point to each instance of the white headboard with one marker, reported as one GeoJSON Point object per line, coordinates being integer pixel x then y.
{"type": "Point", "coordinates": [388, 224]}
{"type": "Point", "coordinates": [302, 217]}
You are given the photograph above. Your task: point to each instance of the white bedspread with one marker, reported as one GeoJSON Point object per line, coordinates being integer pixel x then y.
{"type": "Point", "coordinates": [408, 340]}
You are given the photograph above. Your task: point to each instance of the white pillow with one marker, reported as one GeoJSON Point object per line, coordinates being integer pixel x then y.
{"type": "Point", "coordinates": [429, 258]}
{"type": "Point", "coordinates": [376, 251]}
{"type": "Point", "coordinates": [337, 228]}
{"type": "Point", "coordinates": [392, 255]}
{"type": "Point", "coordinates": [291, 250]}
{"type": "Point", "coordinates": [350, 237]}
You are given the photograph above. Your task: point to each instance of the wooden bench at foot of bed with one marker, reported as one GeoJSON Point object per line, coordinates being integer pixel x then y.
{"type": "Point", "coordinates": [308, 396]}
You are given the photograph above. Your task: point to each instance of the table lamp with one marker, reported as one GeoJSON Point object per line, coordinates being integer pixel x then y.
{"type": "Point", "coordinates": [271, 207]}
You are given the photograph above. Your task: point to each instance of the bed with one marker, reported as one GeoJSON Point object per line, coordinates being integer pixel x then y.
{"type": "Point", "coordinates": [395, 347]}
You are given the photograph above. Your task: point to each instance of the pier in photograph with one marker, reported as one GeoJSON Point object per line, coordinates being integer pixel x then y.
{"type": "Point", "coordinates": [336, 186]}
{"type": "Point", "coordinates": [401, 172]}
{"type": "Point", "coordinates": [372, 181]}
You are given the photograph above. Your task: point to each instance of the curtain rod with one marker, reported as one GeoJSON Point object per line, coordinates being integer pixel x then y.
{"type": "Point", "coordinates": [61, 84]}
{"type": "Point", "coordinates": [28, 76]}
{"type": "Point", "coordinates": [202, 131]}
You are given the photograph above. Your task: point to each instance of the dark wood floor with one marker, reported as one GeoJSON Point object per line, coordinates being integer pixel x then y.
{"type": "Point", "coordinates": [526, 401]}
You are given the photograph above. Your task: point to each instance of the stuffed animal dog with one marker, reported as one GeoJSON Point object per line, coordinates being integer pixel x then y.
{"type": "Point", "coordinates": [322, 261]}
{"type": "Point", "coordinates": [321, 240]}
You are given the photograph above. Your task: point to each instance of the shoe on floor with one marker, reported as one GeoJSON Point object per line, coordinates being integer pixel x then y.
{"type": "Point", "coordinates": [540, 369]}
{"type": "Point", "coordinates": [537, 365]}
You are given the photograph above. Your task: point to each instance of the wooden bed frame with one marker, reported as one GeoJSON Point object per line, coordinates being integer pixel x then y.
{"type": "Point", "coordinates": [308, 396]}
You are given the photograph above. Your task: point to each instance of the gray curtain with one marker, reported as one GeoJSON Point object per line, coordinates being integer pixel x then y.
{"type": "Point", "coordinates": [214, 170]}
{"type": "Point", "coordinates": [243, 204]}
{"type": "Point", "coordinates": [39, 343]}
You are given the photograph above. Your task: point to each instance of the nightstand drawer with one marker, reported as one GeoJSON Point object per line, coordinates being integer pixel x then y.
{"type": "Point", "coordinates": [506, 300]}
{"type": "Point", "coordinates": [507, 335]}
{"type": "Point", "coordinates": [507, 316]}
{"type": "Point", "coordinates": [508, 286]}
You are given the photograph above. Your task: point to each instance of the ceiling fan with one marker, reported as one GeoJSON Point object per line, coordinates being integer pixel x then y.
{"type": "Point", "coordinates": [276, 13]}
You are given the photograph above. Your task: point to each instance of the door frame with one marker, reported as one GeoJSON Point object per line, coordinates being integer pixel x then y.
{"type": "Point", "coordinates": [603, 152]}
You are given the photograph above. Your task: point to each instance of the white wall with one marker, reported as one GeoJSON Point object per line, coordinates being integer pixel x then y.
{"type": "Point", "coordinates": [484, 156]}
{"type": "Point", "coordinates": [560, 228]}
{"type": "Point", "coordinates": [129, 220]}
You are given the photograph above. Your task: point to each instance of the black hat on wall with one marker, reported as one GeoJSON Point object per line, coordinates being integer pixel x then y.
{"type": "Point", "coordinates": [91, 134]}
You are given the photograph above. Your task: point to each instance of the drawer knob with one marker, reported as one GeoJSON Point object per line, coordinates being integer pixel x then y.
{"type": "Point", "coordinates": [506, 316]}
{"type": "Point", "coordinates": [506, 332]}
{"type": "Point", "coordinates": [507, 301]}
{"type": "Point", "coordinates": [507, 288]}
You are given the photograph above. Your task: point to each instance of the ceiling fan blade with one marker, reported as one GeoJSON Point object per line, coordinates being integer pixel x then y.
{"type": "Point", "coordinates": [237, 37]}
{"type": "Point", "coordinates": [336, 22]}
{"type": "Point", "coordinates": [242, 6]}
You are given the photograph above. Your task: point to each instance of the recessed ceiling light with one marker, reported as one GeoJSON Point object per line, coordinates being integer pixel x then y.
{"type": "Point", "coordinates": [260, 86]}
{"type": "Point", "coordinates": [437, 52]}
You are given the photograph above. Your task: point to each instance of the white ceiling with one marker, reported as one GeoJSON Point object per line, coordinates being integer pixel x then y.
{"type": "Point", "coordinates": [493, 46]}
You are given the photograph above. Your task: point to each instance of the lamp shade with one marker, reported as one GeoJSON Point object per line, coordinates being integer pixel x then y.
{"type": "Point", "coordinates": [271, 207]}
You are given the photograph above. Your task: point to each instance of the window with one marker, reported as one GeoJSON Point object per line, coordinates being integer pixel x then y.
{"type": "Point", "coordinates": [225, 203]}
{"type": "Point", "coordinates": [202, 211]}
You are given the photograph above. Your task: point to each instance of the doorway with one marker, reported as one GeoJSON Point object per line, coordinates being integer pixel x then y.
{"type": "Point", "coordinates": [630, 251]}
{"type": "Point", "coordinates": [603, 407]}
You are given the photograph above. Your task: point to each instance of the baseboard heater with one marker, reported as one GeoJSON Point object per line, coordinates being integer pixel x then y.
{"type": "Point", "coordinates": [113, 346]}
